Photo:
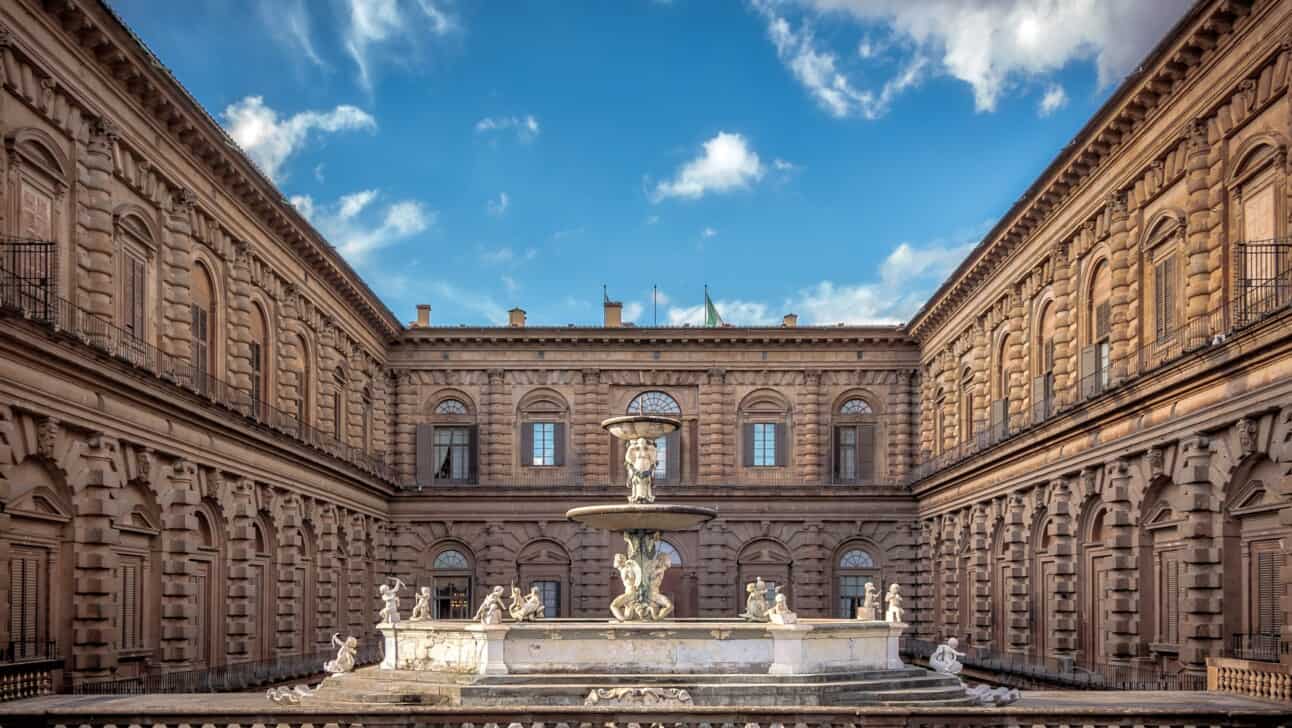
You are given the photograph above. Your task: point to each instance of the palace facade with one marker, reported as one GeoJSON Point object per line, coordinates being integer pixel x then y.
{"type": "Point", "coordinates": [215, 440]}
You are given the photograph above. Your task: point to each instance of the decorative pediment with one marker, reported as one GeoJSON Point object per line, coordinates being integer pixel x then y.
{"type": "Point", "coordinates": [1160, 517]}
{"type": "Point", "coordinates": [39, 504]}
{"type": "Point", "coordinates": [1251, 498]}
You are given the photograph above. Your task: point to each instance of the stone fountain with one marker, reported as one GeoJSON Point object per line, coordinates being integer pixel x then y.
{"type": "Point", "coordinates": [640, 656]}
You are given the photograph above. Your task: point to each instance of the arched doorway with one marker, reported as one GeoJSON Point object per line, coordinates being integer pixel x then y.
{"type": "Point", "coordinates": [546, 565]}
{"type": "Point", "coordinates": [769, 560]}
{"type": "Point", "coordinates": [1042, 583]}
{"type": "Point", "coordinates": [1092, 614]}
{"type": "Point", "coordinates": [855, 567]}
{"type": "Point", "coordinates": [451, 573]}
{"type": "Point", "coordinates": [40, 569]}
{"type": "Point", "coordinates": [1252, 598]}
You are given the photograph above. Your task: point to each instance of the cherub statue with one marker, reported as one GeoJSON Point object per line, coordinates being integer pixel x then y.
{"type": "Point", "coordinates": [946, 658]}
{"type": "Point", "coordinates": [517, 602]}
{"type": "Point", "coordinates": [870, 607]}
{"type": "Point", "coordinates": [780, 612]}
{"type": "Point", "coordinates": [491, 609]}
{"type": "Point", "coordinates": [532, 607]}
{"type": "Point", "coordinates": [389, 594]}
{"type": "Point", "coordinates": [422, 605]}
{"type": "Point", "coordinates": [346, 654]}
{"type": "Point", "coordinates": [660, 605]}
{"type": "Point", "coordinates": [640, 459]}
{"type": "Point", "coordinates": [894, 600]}
{"type": "Point", "coordinates": [756, 601]}
{"type": "Point", "coordinates": [630, 575]}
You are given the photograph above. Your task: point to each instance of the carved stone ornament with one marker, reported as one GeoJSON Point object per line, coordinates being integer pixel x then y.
{"type": "Point", "coordinates": [1248, 432]}
{"type": "Point", "coordinates": [638, 697]}
{"type": "Point", "coordinates": [1156, 458]}
{"type": "Point", "coordinates": [1198, 135]}
{"type": "Point", "coordinates": [47, 437]}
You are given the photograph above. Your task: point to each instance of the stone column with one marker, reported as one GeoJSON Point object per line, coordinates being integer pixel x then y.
{"type": "Point", "coordinates": [289, 361]}
{"type": "Point", "coordinates": [1134, 303]}
{"type": "Point", "coordinates": [405, 451]}
{"type": "Point", "coordinates": [94, 653]}
{"type": "Point", "coordinates": [239, 513]}
{"type": "Point", "coordinates": [1198, 244]}
{"type": "Point", "coordinates": [1123, 573]}
{"type": "Point", "coordinates": [980, 576]}
{"type": "Point", "coordinates": [1063, 544]}
{"type": "Point", "coordinates": [329, 360]}
{"type": "Point", "coordinates": [290, 603]}
{"type": "Point", "coordinates": [903, 426]}
{"type": "Point", "coordinates": [951, 585]}
{"type": "Point", "coordinates": [179, 543]}
{"type": "Point", "coordinates": [711, 435]}
{"type": "Point", "coordinates": [496, 445]}
{"type": "Point", "coordinates": [950, 430]}
{"type": "Point", "coordinates": [1064, 327]}
{"type": "Point", "coordinates": [177, 281]}
{"type": "Point", "coordinates": [981, 386]}
{"type": "Point", "coordinates": [927, 413]}
{"type": "Point", "coordinates": [1218, 238]}
{"type": "Point", "coordinates": [926, 609]}
{"type": "Point", "coordinates": [809, 593]}
{"type": "Point", "coordinates": [356, 590]}
{"type": "Point", "coordinates": [94, 279]}
{"type": "Point", "coordinates": [1018, 610]}
{"type": "Point", "coordinates": [1200, 611]}
{"type": "Point", "coordinates": [1119, 275]}
{"type": "Point", "coordinates": [810, 426]}
{"type": "Point", "coordinates": [590, 554]}
{"type": "Point", "coordinates": [590, 409]}
{"type": "Point", "coordinates": [330, 580]}
{"type": "Point", "coordinates": [1014, 359]}
{"type": "Point", "coordinates": [906, 569]}
{"type": "Point", "coordinates": [239, 308]}
{"type": "Point", "coordinates": [383, 412]}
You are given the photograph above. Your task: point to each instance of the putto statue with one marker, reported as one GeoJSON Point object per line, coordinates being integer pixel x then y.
{"type": "Point", "coordinates": [755, 601]}
{"type": "Point", "coordinates": [660, 605]}
{"type": "Point", "coordinates": [389, 594]}
{"type": "Point", "coordinates": [640, 459]}
{"type": "Point", "coordinates": [491, 609]}
{"type": "Point", "coordinates": [623, 606]}
{"type": "Point", "coordinates": [869, 608]}
{"type": "Point", "coordinates": [946, 658]}
{"type": "Point", "coordinates": [346, 654]}
{"type": "Point", "coordinates": [780, 612]}
{"type": "Point", "coordinates": [894, 600]}
{"type": "Point", "coordinates": [289, 696]}
{"type": "Point", "coordinates": [422, 605]}
{"type": "Point", "coordinates": [531, 608]}
{"type": "Point", "coordinates": [517, 602]}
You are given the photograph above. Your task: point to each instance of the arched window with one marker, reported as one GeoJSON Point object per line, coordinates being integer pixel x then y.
{"type": "Point", "coordinates": [1000, 383]}
{"type": "Point", "coordinates": [206, 572]}
{"type": "Point", "coordinates": [446, 446]}
{"type": "Point", "coordinates": [263, 575]}
{"type": "Point", "coordinates": [668, 466]}
{"type": "Point", "coordinates": [765, 424]}
{"type": "Point", "coordinates": [451, 585]}
{"type": "Point", "coordinates": [1163, 253]}
{"type": "Point", "coordinates": [855, 568]}
{"type": "Point", "coordinates": [542, 417]}
{"type": "Point", "coordinates": [545, 565]}
{"type": "Point", "coordinates": [259, 362]}
{"type": "Point", "coordinates": [674, 558]}
{"type": "Point", "coordinates": [340, 387]}
{"type": "Point", "coordinates": [35, 185]}
{"type": "Point", "coordinates": [939, 421]}
{"type": "Point", "coordinates": [135, 251]}
{"type": "Point", "coordinates": [1043, 358]}
{"type": "Point", "coordinates": [1095, 357]}
{"type": "Point", "coordinates": [1258, 190]}
{"type": "Point", "coordinates": [366, 401]}
{"type": "Point", "coordinates": [854, 441]}
{"type": "Point", "coordinates": [203, 313]}
{"type": "Point", "coordinates": [304, 402]}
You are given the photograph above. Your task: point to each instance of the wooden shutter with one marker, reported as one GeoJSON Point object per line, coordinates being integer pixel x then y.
{"type": "Point", "coordinates": [558, 443]}
{"type": "Point", "coordinates": [1000, 416]}
{"type": "Point", "coordinates": [473, 456]}
{"type": "Point", "coordinates": [747, 445]}
{"type": "Point", "coordinates": [1266, 615]}
{"type": "Point", "coordinates": [130, 616]}
{"type": "Point", "coordinates": [1049, 355]}
{"type": "Point", "coordinates": [836, 454]}
{"type": "Point", "coordinates": [781, 456]}
{"type": "Point", "coordinates": [28, 600]}
{"type": "Point", "coordinates": [1103, 320]}
{"type": "Point", "coordinates": [673, 457]}
{"type": "Point", "coordinates": [527, 443]}
{"type": "Point", "coordinates": [425, 453]}
{"type": "Point", "coordinates": [1171, 593]}
{"type": "Point", "coordinates": [865, 452]}
{"type": "Point", "coordinates": [1040, 405]}
{"type": "Point", "coordinates": [1160, 324]}
{"type": "Point", "coordinates": [1089, 366]}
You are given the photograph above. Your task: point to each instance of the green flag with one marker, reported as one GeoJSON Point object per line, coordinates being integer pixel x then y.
{"type": "Point", "coordinates": [711, 316]}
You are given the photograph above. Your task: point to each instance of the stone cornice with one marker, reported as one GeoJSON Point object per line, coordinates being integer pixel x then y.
{"type": "Point", "coordinates": [777, 336]}
{"type": "Point", "coordinates": [1195, 39]}
{"type": "Point", "coordinates": [108, 43]}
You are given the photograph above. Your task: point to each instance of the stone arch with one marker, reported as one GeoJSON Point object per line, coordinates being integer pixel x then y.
{"type": "Point", "coordinates": [853, 563]}
{"type": "Point", "coordinates": [1254, 154]}
{"type": "Point", "coordinates": [438, 397]}
{"type": "Point", "coordinates": [768, 558]}
{"type": "Point", "coordinates": [40, 572]}
{"type": "Point", "coordinates": [208, 287]}
{"type": "Point", "coordinates": [140, 221]}
{"type": "Point", "coordinates": [872, 400]}
{"type": "Point", "coordinates": [451, 575]}
{"type": "Point", "coordinates": [545, 564]}
{"type": "Point", "coordinates": [1162, 224]}
{"type": "Point", "coordinates": [39, 148]}
{"type": "Point", "coordinates": [1253, 552]}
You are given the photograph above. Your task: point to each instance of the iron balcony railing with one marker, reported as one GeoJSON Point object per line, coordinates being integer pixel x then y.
{"type": "Point", "coordinates": [1261, 647]}
{"type": "Point", "coordinates": [234, 677]}
{"type": "Point", "coordinates": [23, 651]}
{"type": "Point", "coordinates": [28, 290]}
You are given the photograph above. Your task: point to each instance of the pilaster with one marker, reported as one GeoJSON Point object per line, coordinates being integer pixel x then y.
{"type": "Point", "coordinates": [589, 409]}
{"type": "Point", "coordinates": [1017, 610]}
{"type": "Point", "coordinates": [981, 386]}
{"type": "Point", "coordinates": [497, 442]}
{"type": "Point", "coordinates": [718, 566]}
{"type": "Point", "coordinates": [94, 653]}
{"type": "Point", "coordinates": [1123, 572]}
{"type": "Point", "coordinates": [1119, 275]}
{"type": "Point", "coordinates": [239, 312]}
{"type": "Point", "coordinates": [1200, 612]}
{"type": "Point", "coordinates": [809, 426]}
{"type": "Point", "coordinates": [980, 577]}
{"type": "Point", "coordinates": [711, 435]}
{"type": "Point", "coordinates": [1063, 545]}
{"type": "Point", "coordinates": [1198, 243]}
{"type": "Point", "coordinates": [243, 626]}
{"type": "Point", "coordinates": [94, 255]}
{"type": "Point", "coordinates": [177, 282]}
{"type": "Point", "coordinates": [290, 604]}
{"type": "Point", "coordinates": [903, 426]}
{"type": "Point", "coordinates": [1014, 361]}
{"type": "Point", "coordinates": [925, 616]}
{"type": "Point", "coordinates": [950, 581]}
{"type": "Point", "coordinates": [406, 421]}
{"type": "Point", "coordinates": [179, 543]}
{"type": "Point", "coordinates": [1064, 326]}
{"type": "Point", "coordinates": [330, 581]}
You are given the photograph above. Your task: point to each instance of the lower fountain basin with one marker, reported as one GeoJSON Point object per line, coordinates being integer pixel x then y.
{"type": "Point", "coordinates": [642, 517]}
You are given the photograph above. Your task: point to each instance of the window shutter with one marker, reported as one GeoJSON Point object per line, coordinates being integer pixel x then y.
{"type": "Point", "coordinates": [27, 599]}
{"type": "Point", "coordinates": [1159, 301]}
{"type": "Point", "coordinates": [1089, 367]}
{"type": "Point", "coordinates": [673, 458]}
{"type": "Point", "coordinates": [1267, 612]}
{"type": "Point", "coordinates": [527, 443]}
{"type": "Point", "coordinates": [1049, 355]}
{"type": "Point", "coordinates": [1103, 320]}
{"type": "Point", "coordinates": [1172, 611]}
{"type": "Point", "coordinates": [473, 456]}
{"type": "Point", "coordinates": [1169, 294]}
{"type": "Point", "coordinates": [425, 449]}
{"type": "Point", "coordinates": [558, 443]}
{"type": "Point", "coordinates": [1040, 405]}
{"type": "Point", "coordinates": [782, 445]}
{"type": "Point", "coordinates": [1000, 416]}
{"type": "Point", "coordinates": [865, 453]}
{"type": "Point", "coordinates": [747, 445]}
{"type": "Point", "coordinates": [136, 295]}
{"type": "Point", "coordinates": [835, 453]}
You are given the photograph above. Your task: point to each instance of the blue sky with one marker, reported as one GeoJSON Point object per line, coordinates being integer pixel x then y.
{"type": "Point", "coordinates": [832, 158]}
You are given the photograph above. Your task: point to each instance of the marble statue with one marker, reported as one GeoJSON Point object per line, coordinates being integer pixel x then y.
{"type": "Point", "coordinates": [531, 608]}
{"type": "Point", "coordinates": [630, 574]}
{"type": "Point", "coordinates": [869, 608]}
{"type": "Point", "coordinates": [660, 605]}
{"type": "Point", "coordinates": [635, 697]}
{"type": "Point", "coordinates": [756, 601]}
{"type": "Point", "coordinates": [346, 654]}
{"type": "Point", "coordinates": [894, 600]}
{"type": "Point", "coordinates": [289, 696]}
{"type": "Point", "coordinates": [389, 594]}
{"type": "Point", "coordinates": [422, 607]}
{"type": "Point", "coordinates": [640, 459]}
{"type": "Point", "coordinates": [780, 612]}
{"type": "Point", "coordinates": [517, 603]}
{"type": "Point", "coordinates": [491, 609]}
{"type": "Point", "coordinates": [946, 658]}
{"type": "Point", "coordinates": [986, 695]}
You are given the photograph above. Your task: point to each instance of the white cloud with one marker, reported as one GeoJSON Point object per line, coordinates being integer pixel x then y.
{"type": "Point", "coordinates": [708, 232]}
{"type": "Point", "coordinates": [781, 165]}
{"type": "Point", "coordinates": [499, 206]}
{"type": "Point", "coordinates": [740, 313]}
{"type": "Point", "coordinates": [1053, 100]}
{"type": "Point", "coordinates": [525, 127]}
{"type": "Point", "coordinates": [271, 141]}
{"type": "Point", "coordinates": [510, 283]}
{"type": "Point", "coordinates": [471, 300]}
{"type": "Point", "coordinates": [727, 163]}
{"type": "Point", "coordinates": [993, 45]}
{"type": "Point", "coordinates": [401, 23]}
{"type": "Point", "coordinates": [355, 234]}
{"type": "Point", "coordinates": [633, 311]}
{"type": "Point", "coordinates": [289, 22]}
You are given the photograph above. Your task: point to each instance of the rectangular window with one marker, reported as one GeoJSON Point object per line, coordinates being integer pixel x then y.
{"type": "Point", "coordinates": [337, 416]}
{"type": "Point", "coordinates": [28, 600]}
{"type": "Point", "coordinates": [452, 453]}
{"type": "Point", "coordinates": [1169, 597]}
{"type": "Point", "coordinates": [765, 445]}
{"type": "Point", "coordinates": [36, 220]}
{"type": "Point", "coordinates": [256, 372]}
{"type": "Point", "coordinates": [136, 295]}
{"type": "Point", "coordinates": [201, 347]}
{"type": "Point", "coordinates": [852, 594]}
{"type": "Point", "coordinates": [130, 603]}
{"type": "Point", "coordinates": [452, 597]}
{"type": "Point", "coordinates": [847, 454]}
{"type": "Point", "coordinates": [1267, 612]}
{"type": "Point", "coordinates": [661, 455]}
{"type": "Point", "coordinates": [544, 448]}
{"type": "Point", "coordinates": [1164, 297]}
{"type": "Point", "coordinates": [550, 592]}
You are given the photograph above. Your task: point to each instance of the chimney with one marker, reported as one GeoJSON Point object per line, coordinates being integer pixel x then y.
{"type": "Point", "coordinates": [790, 321]}
{"type": "Point", "coordinates": [614, 314]}
{"type": "Point", "coordinates": [423, 315]}
{"type": "Point", "coordinates": [516, 318]}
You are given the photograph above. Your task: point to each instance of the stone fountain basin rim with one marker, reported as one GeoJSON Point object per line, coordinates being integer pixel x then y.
{"type": "Point", "coordinates": [642, 516]}
{"type": "Point", "coordinates": [654, 426]}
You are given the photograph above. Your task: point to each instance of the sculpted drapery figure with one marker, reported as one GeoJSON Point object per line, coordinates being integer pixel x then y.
{"type": "Point", "coordinates": [780, 612]}
{"type": "Point", "coordinates": [756, 601]}
{"type": "Point", "coordinates": [532, 606]}
{"type": "Point", "coordinates": [870, 607]}
{"type": "Point", "coordinates": [389, 594]}
{"type": "Point", "coordinates": [491, 609]}
{"type": "Point", "coordinates": [346, 654]}
{"type": "Point", "coordinates": [422, 605]}
{"type": "Point", "coordinates": [640, 460]}
{"type": "Point", "coordinates": [631, 576]}
{"type": "Point", "coordinates": [894, 600]}
{"type": "Point", "coordinates": [517, 602]}
{"type": "Point", "coordinates": [661, 606]}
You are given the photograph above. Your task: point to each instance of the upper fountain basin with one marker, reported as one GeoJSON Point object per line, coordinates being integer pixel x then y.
{"type": "Point", "coordinates": [632, 427]}
{"type": "Point", "coordinates": [642, 517]}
